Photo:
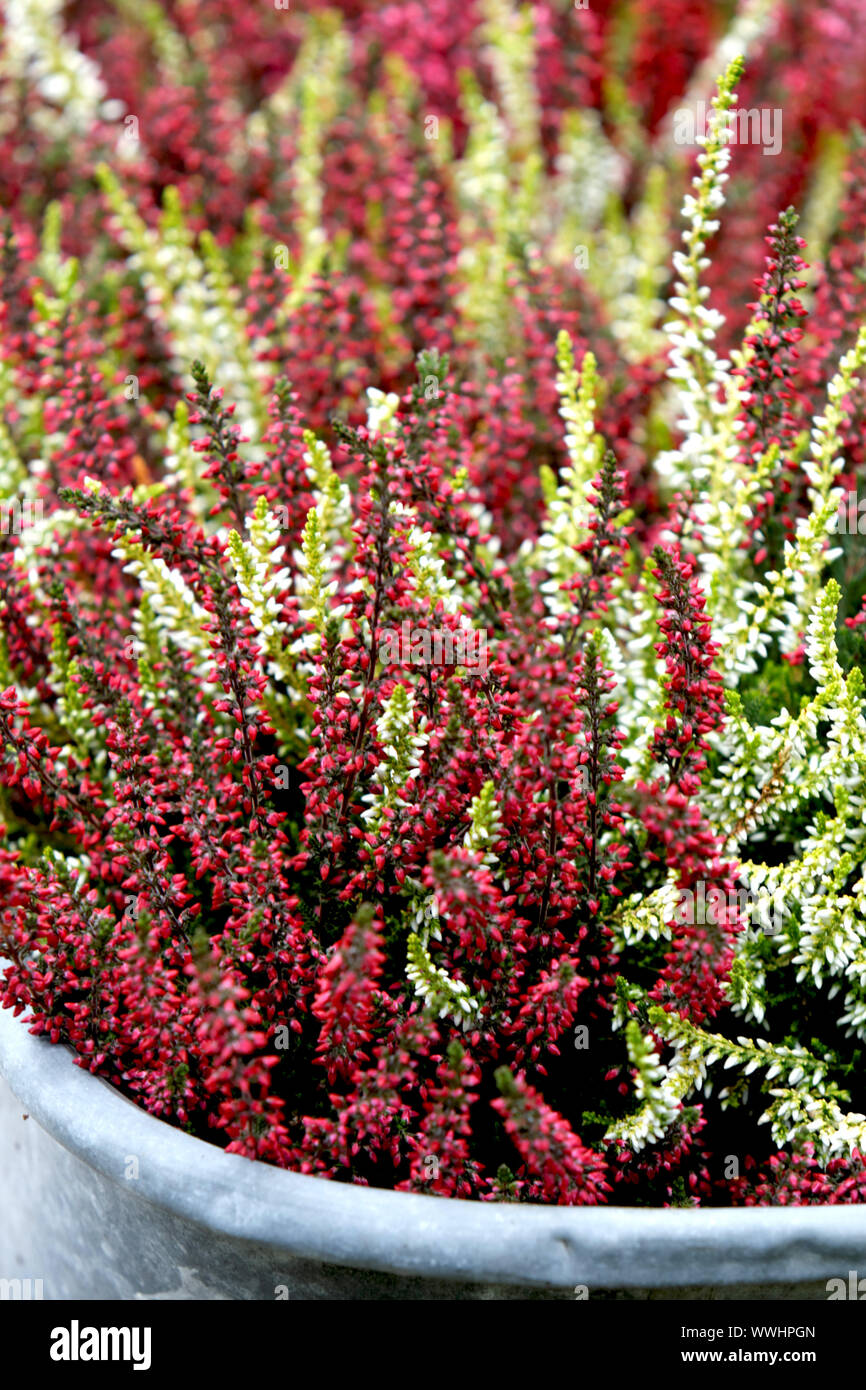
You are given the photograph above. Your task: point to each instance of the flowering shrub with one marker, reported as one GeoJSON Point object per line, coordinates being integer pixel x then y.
{"type": "Point", "coordinates": [432, 713]}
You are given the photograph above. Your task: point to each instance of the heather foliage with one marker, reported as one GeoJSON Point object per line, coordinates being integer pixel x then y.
{"type": "Point", "coordinates": [432, 730]}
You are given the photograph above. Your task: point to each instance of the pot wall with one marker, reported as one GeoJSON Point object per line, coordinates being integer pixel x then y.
{"type": "Point", "coordinates": [87, 1236]}
{"type": "Point", "coordinates": [101, 1201]}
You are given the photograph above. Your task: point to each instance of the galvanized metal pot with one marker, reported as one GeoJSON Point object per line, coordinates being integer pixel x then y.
{"type": "Point", "coordinates": [99, 1200]}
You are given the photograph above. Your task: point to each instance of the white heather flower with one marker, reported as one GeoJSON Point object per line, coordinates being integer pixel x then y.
{"type": "Point", "coordinates": [381, 411]}
{"type": "Point", "coordinates": [700, 374]}
{"type": "Point", "coordinates": [428, 576]}
{"type": "Point", "coordinates": [38, 47]}
{"type": "Point", "coordinates": [176, 611]}
{"type": "Point", "coordinates": [402, 746]}
{"type": "Point", "coordinates": [192, 296]}
{"type": "Point", "coordinates": [444, 996]}
{"type": "Point", "coordinates": [261, 580]}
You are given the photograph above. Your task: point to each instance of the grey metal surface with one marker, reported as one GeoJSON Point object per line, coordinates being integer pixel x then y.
{"type": "Point", "coordinates": [101, 1200]}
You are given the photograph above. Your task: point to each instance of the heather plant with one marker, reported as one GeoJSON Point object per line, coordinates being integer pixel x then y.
{"type": "Point", "coordinates": [351, 371]}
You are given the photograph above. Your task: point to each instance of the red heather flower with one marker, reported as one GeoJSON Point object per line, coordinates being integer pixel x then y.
{"type": "Point", "coordinates": [799, 1180]}
{"type": "Point", "coordinates": [770, 414]}
{"type": "Point", "coordinates": [546, 1014]}
{"type": "Point", "coordinates": [228, 1039]}
{"type": "Point", "coordinates": [810, 65]}
{"type": "Point", "coordinates": [700, 955]}
{"type": "Point", "coordinates": [840, 307]}
{"type": "Point", "coordinates": [694, 688]}
{"type": "Point", "coordinates": [675, 1157]}
{"type": "Point", "coordinates": [482, 939]}
{"type": "Point", "coordinates": [698, 963]}
{"type": "Point", "coordinates": [374, 1116]}
{"type": "Point", "coordinates": [347, 994]}
{"type": "Point", "coordinates": [671, 38]}
{"type": "Point", "coordinates": [561, 1168]}
{"type": "Point", "coordinates": [441, 1160]}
